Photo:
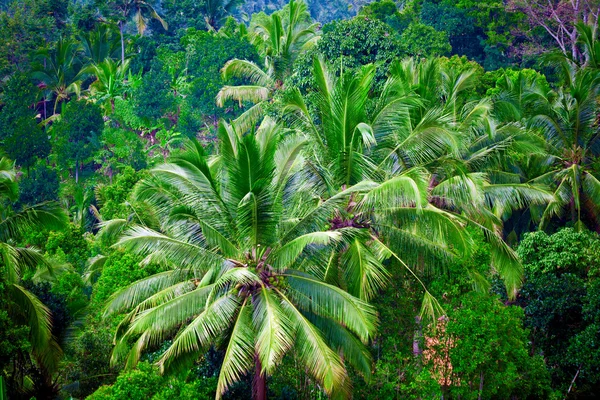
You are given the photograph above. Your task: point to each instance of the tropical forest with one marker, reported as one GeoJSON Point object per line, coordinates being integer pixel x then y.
{"type": "Point", "coordinates": [299, 199]}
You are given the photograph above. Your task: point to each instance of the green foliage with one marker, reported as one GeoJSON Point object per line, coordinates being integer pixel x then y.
{"type": "Point", "coordinates": [488, 347]}
{"type": "Point", "coordinates": [153, 99]}
{"type": "Point", "coordinates": [560, 299]}
{"type": "Point", "coordinates": [567, 251]}
{"type": "Point", "coordinates": [424, 41]}
{"type": "Point", "coordinates": [72, 243]}
{"type": "Point", "coordinates": [13, 336]}
{"type": "Point", "coordinates": [24, 26]}
{"type": "Point", "coordinates": [40, 184]}
{"type": "Point", "coordinates": [21, 137]}
{"type": "Point", "coordinates": [145, 383]}
{"type": "Point", "coordinates": [464, 36]}
{"type": "Point", "coordinates": [76, 136]}
{"type": "Point", "coordinates": [388, 12]}
{"type": "Point", "coordinates": [206, 54]}
{"type": "Point", "coordinates": [112, 197]}
{"type": "Point", "coordinates": [120, 270]}
{"type": "Point", "coordinates": [358, 42]}
{"type": "Point", "coordinates": [121, 148]}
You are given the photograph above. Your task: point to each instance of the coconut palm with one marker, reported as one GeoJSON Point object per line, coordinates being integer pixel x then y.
{"type": "Point", "coordinates": [280, 38]}
{"type": "Point", "coordinates": [100, 44]}
{"type": "Point", "coordinates": [416, 140]}
{"type": "Point", "coordinates": [215, 11]}
{"type": "Point", "coordinates": [283, 35]}
{"type": "Point", "coordinates": [245, 261]}
{"type": "Point", "coordinates": [140, 11]}
{"type": "Point", "coordinates": [60, 70]}
{"type": "Point", "coordinates": [110, 83]}
{"type": "Point", "coordinates": [571, 132]}
{"type": "Point", "coordinates": [24, 307]}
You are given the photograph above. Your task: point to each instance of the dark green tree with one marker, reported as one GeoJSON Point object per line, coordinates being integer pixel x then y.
{"type": "Point", "coordinates": [20, 136]}
{"type": "Point", "coordinates": [558, 297]}
{"type": "Point", "coordinates": [76, 136]}
{"type": "Point", "coordinates": [39, 185]}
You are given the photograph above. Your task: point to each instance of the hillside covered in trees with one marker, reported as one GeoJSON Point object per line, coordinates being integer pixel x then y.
{"type": "Point", "coordinates": [299, 200]}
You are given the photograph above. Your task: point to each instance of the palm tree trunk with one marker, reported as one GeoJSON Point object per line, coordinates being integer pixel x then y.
{"type": "Point", "coordinates": [417, 337]}
{"type": "Point", "coordinates": [259, 383]}
{"type": "Point", "coordinates": [122, 43]}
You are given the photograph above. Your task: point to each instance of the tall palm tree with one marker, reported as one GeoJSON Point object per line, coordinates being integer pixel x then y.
{"type": "Point", "coordinates": [245, 261]}
{"type": "Point", "coordinates": [60, 70]}
{"type": "Point", "coordinates": [215, 11]}
{"type": "Point", "coordinates": [412, 144]}
{"type": "Point", "coordinates": [24, 307]}
{"type": "Point", "coordinates": [140, 11]}
{"type": "Point", "coordinates": [280, 38]}
{"type": "Point", "coordinates": [573, 143]}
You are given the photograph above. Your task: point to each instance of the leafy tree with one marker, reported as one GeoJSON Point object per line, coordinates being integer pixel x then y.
{"type": "Point", "coordinates": [359, 41]}
{"type": "Point", "coordinates": [250, 290]}
{"type": "Point", "coordinates": [112, 198]}
{"type": "Point", "coordinates": [154, 99]}
{"type": "Point", "coordinates": [424, 41]}
{"type": "Point", "coordinates": [560, 281]}
{"type": "Point", "coordinates": [119, 150]}
{"type": "Point", "coordinates": [71, 242]}
{"type": "Point", "coordinates": [206, 54]}
{"type": "Point", "coordinates": [21, 137]}
{"type": "Point", "coordinates": [145, 383]}
{"type": "Point", "coordinates": [24, 26]}
{"type": "Point", "coordinates": [40, 185]}
{"type": "Point", "coordinates": [464, 36]}
{"type": "Point", "coordinates": [486, 345]}
{"type": "Point", "coordinates": [388, 12]}
{"type": "Point", "coordinates": [76, 135]}
{"type": "Point", "coordinates": [91, 348]}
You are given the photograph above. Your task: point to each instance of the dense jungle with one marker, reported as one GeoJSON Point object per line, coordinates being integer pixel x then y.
{"type": "Point", "coordinates": [309, 199]}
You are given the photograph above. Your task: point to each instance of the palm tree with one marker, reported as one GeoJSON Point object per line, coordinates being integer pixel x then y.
{"type": "Point", "coordinates": [280, 37]}
{"type": "Point", "coordinates": [110, 83]}
{"type": "Point", "coordinates": [100, 44]}
{"type": "Point", "coordinates": [244, 257]}
{"type": "Point", "coordinates": [283, 35]}
{"type": "Point", "coordinates": [140, 11]}
{"type": "Point", "coordinates": [215, 11]}
{"type": "Point", "coordinates": [60, 70]}
{"type": "Point", "coordinates": [572, 137]}
{"type": "Point", "coordinates": [413, 143]}
{"type": "Point", "coordinates": [24, 307]}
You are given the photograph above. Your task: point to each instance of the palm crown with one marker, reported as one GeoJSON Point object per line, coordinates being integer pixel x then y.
{"type": "Point", "coordinates": [242, 254]}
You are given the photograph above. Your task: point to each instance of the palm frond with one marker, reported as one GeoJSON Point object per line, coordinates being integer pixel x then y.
{"type": "Point", "coordinates": [239, 354]}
